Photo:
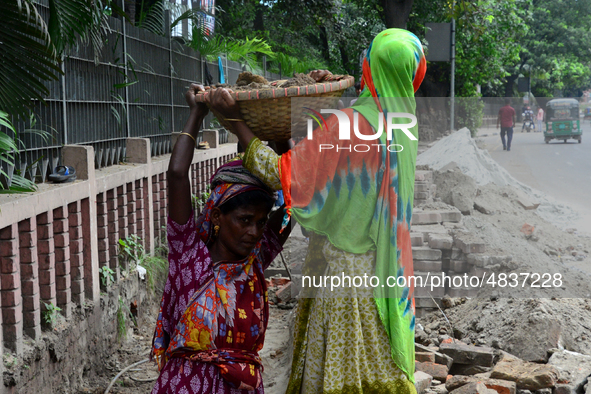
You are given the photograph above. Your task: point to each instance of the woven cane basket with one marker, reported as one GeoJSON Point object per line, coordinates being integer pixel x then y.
{"type": "Point", "coordinates": [268, 112]}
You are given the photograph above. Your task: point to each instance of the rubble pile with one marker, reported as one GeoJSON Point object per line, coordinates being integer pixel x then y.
{"type": "Point", "coordinates": [498, 340]}
{"type": "Point", "coordinates": [458, 368]}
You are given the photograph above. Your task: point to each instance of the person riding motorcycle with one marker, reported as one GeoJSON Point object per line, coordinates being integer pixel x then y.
{"type": "Point", "coordinates": [528, 120]}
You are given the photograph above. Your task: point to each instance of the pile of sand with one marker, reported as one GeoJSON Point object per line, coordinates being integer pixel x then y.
{"type": "Point", "coordinates": [461, 148]}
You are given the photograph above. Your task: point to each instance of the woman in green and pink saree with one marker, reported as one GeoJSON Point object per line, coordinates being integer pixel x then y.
{"type": "Point", "coordinates": [357, 203]}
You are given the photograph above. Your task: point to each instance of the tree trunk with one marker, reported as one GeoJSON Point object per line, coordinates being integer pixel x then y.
{"type": "Point", "coordinates": [324, 40]}
{"type": "Point", "coordinates": [509, 85]}
{"type": "Point", "coordinates": [259, 19]}
{"type": "Point", "coordinates": [396, 12]}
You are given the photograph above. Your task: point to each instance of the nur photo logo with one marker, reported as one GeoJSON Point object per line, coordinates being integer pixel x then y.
{"type": "Point", "coordinates": [392, 123]}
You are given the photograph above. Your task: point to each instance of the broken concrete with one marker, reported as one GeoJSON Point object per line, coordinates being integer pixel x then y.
{"type": "Point", "coordinates": [474, 388]}
{"type": "Point", "coordinates": [576, 365]}
{"type": "Point", "coordinates": [525, 374]}
{"type": "Point", "coordinates": [499, 386]}
{"type": "Point", "coordinates": [468, 354]}
{"type": "Point", "coordinates": [437, 371]}
{"type": "Point", "coordinates": [422, 381]}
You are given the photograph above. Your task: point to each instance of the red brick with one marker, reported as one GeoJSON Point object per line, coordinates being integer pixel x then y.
{"type": "Point", "coordinates": [61, 240]}
{"type": "Point", "coordinates": [29, 287]}
{"type": "Point", "coordinates": [32, 318]}
{"type": "Point", "coordinates": [113, 249]}
{"type": "Point", "coordinates": [62, 254]}
{"type": "Point", "coordinates": [113, 228]}
{"type": "Point", "coordinates": [77, 287]}
{"type": "Point", "coordinates": [10, 298]}
{"type": "Point", "coordinates": [60, 226]}
{"type": "Point", "coordinates": [45, 218]}
{"type": "Point", "coordinates": [31, 303]}
{"type": "Point", "coordinates": [425, 357]}
{"type": "Point", "coordinates": [102, 232]}
{"type": "Point", "coordinates": [44, 231]}
{"type": "Point", "coordinates": [101, 221]}
{"type": "Point", "coordinates": [112, 216]}
{"type": "Point", "coordinates": [27, 239]}
{"type": "Point", "coordinates": [123, 223]}
{"type": "Point", "coordinates": [76, 246]}
{"type": "Point", "coordinates": [47, 261]}
{"type": "Point", "coordinates": [438, 371]}
{"type": "Point", "coordinates": [101, 208]}
{"type": "Point", "coordinates": [111, 205]}
{"type": "Point", "coordinates": [10, 264]}
{"type": "Point", "coordinates": [103, 244]}
{"type": "Point", "coordinates": [47, 277]}
{"type": "Point", "coordinates": [59, 213]}
{"type": "Point", "coordinates": [11, 281]}
{"type": "Point", "coordinates": [45, 246]}
{"type": "Point", "coordinates": [74, 207]}
{"type": "Point", "coordinates": [47, 293]}
{"type": "Point", "coordinates": [77, 272]}
{"type": "Point", "coordinates": [12, 315]}
{"type": "Point", "coordinates": [27, 225]}
{"type": "Point", "coordinates": [13, 336]}
{"type": "Point", "coordinates": [76, 232]}
{"type": "Point", "coordinates": [62, 269]}
{"type": "Point", "coordinates": [78, 298]}
{"type": "Point", "coordinates": [103, 256]}
{"type": "Point", "coordinates": [28, 255]}
{"type": "Point", "coordinates": [29, 271]}
{"type": "Point", "coordinates": [62, 283]}
{"type": "Point", "coordinates": [9, 247]}
{"type": "Point", "coordinates": [122, 201]}
{"type": "Point", "coordinates": [76, 259]}
{"type": "Point", "coordinates": [9, 232]}
{"type": "Point", "coordinates": [284, 293]}
{"type": "Point", "coordinates": [63, 298]}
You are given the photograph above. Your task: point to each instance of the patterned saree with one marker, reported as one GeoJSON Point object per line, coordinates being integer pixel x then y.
{"type": "Point", "coordinates": [213, 316]}
{"type": "Point", "coordinates": [358, 204]}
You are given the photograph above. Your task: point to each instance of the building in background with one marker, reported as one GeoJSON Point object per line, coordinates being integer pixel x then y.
{"type": "Point", "coordinates": [205, 13]}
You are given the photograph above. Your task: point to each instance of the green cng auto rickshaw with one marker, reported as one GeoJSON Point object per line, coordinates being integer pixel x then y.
{"type": "Point", "coordinates": [562, 120]}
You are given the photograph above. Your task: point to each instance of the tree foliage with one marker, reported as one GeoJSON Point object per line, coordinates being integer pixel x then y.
{"type": "Point", "coordinates": [557, 48]}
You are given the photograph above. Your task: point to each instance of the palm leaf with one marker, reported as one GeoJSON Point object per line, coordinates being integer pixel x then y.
{"type": "Point", "coordinates": [19, 184]}
{"type": "Point", "coordinates": [8, 150]}
{"type": "Point", "coordinates": [153, 19]}
{"type": "Point", "coordinates": [28, 57]}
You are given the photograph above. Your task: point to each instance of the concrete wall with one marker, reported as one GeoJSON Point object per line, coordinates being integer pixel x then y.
{"type": "Point", "coordinates": [53, 243]}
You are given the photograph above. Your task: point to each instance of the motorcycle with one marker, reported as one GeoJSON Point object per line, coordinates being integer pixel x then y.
{"type": "Point", "coordinates": [528, 123]}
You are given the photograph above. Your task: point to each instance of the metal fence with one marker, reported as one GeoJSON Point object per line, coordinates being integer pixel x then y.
{"type": "Point", "coordinates": [136, 89]}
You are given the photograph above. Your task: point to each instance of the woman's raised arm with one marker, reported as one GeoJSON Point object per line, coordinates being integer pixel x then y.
{"type": "Point", "coordinates": [179, 187]}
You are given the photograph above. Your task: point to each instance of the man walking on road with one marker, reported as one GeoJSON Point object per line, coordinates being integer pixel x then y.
{"type": "Point", "coordinates": [507, 120]}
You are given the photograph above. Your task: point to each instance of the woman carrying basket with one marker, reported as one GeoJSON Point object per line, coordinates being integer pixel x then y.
{"type": "Point", "coordinates": [359, 206]}
{"type": "Point", "coordinates": [214, 309]}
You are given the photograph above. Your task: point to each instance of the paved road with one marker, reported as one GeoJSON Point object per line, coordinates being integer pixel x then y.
{"type": "Point", "coordinates": [560, 170]}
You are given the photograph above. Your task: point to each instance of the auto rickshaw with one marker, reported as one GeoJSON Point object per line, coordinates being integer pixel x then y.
{"type": "Point", "coordinates": [562, 120]}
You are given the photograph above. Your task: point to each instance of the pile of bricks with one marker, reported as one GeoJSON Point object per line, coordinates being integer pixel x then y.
{"type": "Point", "coordinates": [455, 367]}
{"type": "Point", "coordinates": [440, 249]}
{"type": "Point", "coordinates": [424, 188]}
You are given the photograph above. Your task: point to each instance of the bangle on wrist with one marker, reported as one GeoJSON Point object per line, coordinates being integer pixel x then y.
{"type": "Point", "coordinates": [194, 139]}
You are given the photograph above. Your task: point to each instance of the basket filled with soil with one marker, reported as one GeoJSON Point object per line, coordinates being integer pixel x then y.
{"type": "Point", "coordinates": [266, 107]}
